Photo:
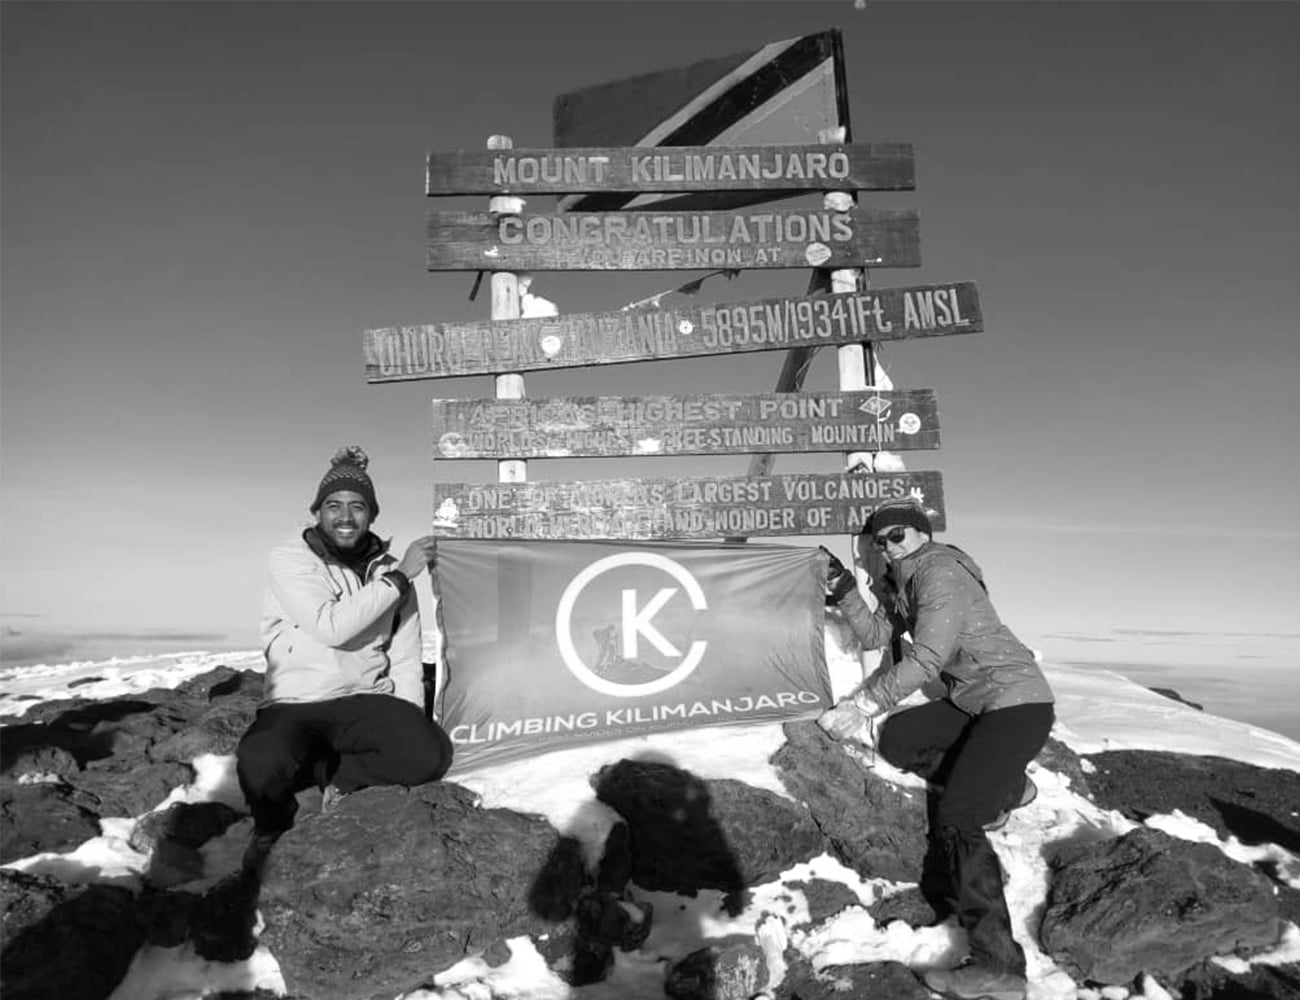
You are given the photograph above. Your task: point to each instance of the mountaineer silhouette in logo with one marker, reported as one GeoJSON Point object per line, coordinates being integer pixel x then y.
{"type": "Point", "coordinates": [972, 744]}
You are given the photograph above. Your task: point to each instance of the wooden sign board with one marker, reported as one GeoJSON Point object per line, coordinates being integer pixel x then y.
{"type": "Point", "coordinates": [666, 241]}
{"type": "Point", "coordinates": [866, 167]}
{"type": "Point", "coordinates": [575, 340]}
{"type": "Point", "coordinates": [784, 93]}
{"type": "Point", "coordinates": [620, 426]}
{"type": "Point", "coordinates": [793, 504]}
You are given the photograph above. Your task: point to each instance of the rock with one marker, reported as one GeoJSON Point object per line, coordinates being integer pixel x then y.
{"type": "Point", "coordinates": [246, 686]}
{"type": "Point", "coordinates": [206, 714]}
{"type": "Point", "coordinates": [868, 981]}
{"type": "Point", "coordinates": [1060, 759]}
{"type": "Point", "coordinates": [908, 905]}
{"type": "Point", "coordinates": [872, 825]}
{"type": "Point", "coordinates": [61, 941]}
{"type": "Point", "coordinates": [1150, 902]}
{"type": "Point", "coordinates": [173, 836]}
{"type": "Point", "coordinates": [220, 705]}
{"type": "Point", "coordinates": [825, 898]}
{"type": "Point", "coordinates": [40, 761]}
{"type": "Point", "coordinates": [687, 833]}
{"type": "Point", "coordinates": [123, 756]}
{"type": "Point", "coordinates": [728, 969]}
{"type": "Point", "coordinates": [215, 731]}
{"type": "Point", "coordinates": [192, 824]}
{"type": "Point", "coordinates": [1211, 981]}
{"type": "Point", "coordinates": [118, 787]}
{"type": "Point", "coordinates": [1175, 696]}
{"type": "Point", "coordinates": [43, 817]}
{"type": "Point", "coordinates": [394, 885]}
{"type": "Point", "coordinates": [1254, 804]}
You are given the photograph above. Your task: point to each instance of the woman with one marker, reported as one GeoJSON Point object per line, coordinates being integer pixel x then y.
{"type": "Point", "coordinates": [972, 744]}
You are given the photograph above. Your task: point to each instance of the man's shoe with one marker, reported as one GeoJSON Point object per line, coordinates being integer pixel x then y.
{"type": "Point", "coordinates": [1027, 795]}
{"type": "Point", "coordinates": [974, 982]}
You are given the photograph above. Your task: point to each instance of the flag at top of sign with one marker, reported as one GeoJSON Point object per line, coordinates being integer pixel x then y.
{"type": "Point", "coordinates": [782, 94]}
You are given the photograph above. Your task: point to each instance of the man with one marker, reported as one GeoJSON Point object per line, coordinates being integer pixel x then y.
{"type": "Point", "coordinates": [344, 701]}
{"type": "Point", "coordinates": [972, 744]}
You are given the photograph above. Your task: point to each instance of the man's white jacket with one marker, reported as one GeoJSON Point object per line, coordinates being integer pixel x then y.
{"type": "Point", "coordinates": [328, 632]}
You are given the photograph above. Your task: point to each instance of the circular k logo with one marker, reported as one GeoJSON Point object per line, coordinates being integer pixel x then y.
{"type": "Point", "coordinates": [637, 622]}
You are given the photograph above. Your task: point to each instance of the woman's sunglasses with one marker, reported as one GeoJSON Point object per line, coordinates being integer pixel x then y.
{"type": "Point", "coordinates": [895, 535]}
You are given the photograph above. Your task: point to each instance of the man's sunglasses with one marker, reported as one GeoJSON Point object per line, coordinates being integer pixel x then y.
{"type": "Point", "coordinates": [895, 535]}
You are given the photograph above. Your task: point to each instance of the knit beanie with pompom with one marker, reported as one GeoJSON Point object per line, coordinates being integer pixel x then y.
{"type": "Point", "coordinates": [347, 471]}
{"type": "Point", "coordinates": [898, 512]}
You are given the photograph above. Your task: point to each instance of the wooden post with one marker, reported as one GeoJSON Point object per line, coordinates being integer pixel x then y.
{"type": "Point", "coordinates": [505, 305]}
{"type": "Point", "coordinates": [514, 579]}
{"type": "Point", "coordinates": [855, 362]}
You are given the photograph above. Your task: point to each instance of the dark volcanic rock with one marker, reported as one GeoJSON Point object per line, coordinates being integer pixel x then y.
{"type": "Point", "coordinates": [1150, 902]}
{"type": "Point", "coordinates": [205, 711]}
{"type": "Point", "coordinates": [1057, 757]}
{"type": "Point", "coordinates": [1255, 804]}
{"type": "Point", "coordinates": [38, 760]}
{"type": "Point", "coordinates": [119, 788]}
{"type": "Point", "coordinates": [1173, 695]}
{"type": "Point", "coordinates": [173, 836]}
{"type": "Point", "coordinates": [909, 906]}
{"type": "Point", "coordinates": [1210, 981]}
{"type": "Point", "coordinates": [393, 885]}
{"type": "Point", "coordinates": [869, 981]}
{"type": "Point", "coordinates": [825, 898]}
{"type": "Point", "coordinates": [728, 969]}
{"type": "Point", "coordinates": [688, 833]}
{"type": "Point", "coordinates": [43, 817]}
{"type": "Point", "coordinates": [192, 824]}
{"type": "Point", "coordinates": [63, 942]}
{"type": "Point", "coordinates": [873, 826]}
{"type": "Point", "coordinates": [112, 758]}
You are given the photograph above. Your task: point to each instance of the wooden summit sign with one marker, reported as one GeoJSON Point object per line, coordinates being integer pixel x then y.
{"type": "Point", "coordinates": [443, 350]}
{"type": "Point", "coordinates": [610, 426]}
{"type": "Point", "coordinates": [657, 241]}
{"type": "Point", "coordinates": [793, 504]}
{"type": "Point", "coordinates": [865, 167]}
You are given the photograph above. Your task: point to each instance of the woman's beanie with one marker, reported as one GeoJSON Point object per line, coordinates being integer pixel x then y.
{"type": "Point", "coordinates": [347, 472]}
{"type": "Point", "coordinates": [894, 512]}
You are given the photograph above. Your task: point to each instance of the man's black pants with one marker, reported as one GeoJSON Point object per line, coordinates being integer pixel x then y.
{"type": "Point", "coordinates": [353, 742]}
{"type": "Point", "coordinates": [977, 767]}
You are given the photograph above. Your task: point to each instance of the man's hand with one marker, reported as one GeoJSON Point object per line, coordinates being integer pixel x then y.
{"type": "Point", "coordinates": [420, 554]}
{"type": "Point", "coordinates": [852, 718]}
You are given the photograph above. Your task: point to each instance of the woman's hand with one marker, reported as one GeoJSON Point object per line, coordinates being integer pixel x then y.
{"type": "Point", "coordinates": [839, 578]}
{"type": "Point", "coordinates": [852, 718]}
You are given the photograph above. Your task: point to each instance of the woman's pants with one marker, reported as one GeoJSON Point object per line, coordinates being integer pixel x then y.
{"type": "Point", "coordinates": [353, 742]}
{"type": "Point", "coordinates": [977, 766]}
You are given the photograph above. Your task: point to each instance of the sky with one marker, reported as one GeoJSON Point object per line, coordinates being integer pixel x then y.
{"type": "Point", "coordinates": [1097, 710]}
{"type": "Point", "coordinates": [204, 204]}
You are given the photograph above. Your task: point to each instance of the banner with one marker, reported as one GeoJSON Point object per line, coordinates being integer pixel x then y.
{"type": "Point", "coordinates": [554, 644]}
